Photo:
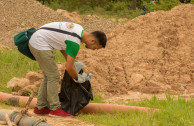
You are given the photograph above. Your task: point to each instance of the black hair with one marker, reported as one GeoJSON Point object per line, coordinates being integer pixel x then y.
{"type": "Point", "coordinates": [101, 37]}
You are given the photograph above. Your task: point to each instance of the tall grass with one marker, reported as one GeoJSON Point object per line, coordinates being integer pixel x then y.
{"type": "Point", "coordinates": [172, 113]}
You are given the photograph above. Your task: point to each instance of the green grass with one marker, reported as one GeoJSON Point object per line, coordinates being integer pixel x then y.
{"type": "Point", "coordinates": [4, 106]}
{"type": "Point", "coordinates": [97, 99]}
{"type": "Point", "coordinates": [172, 113]}
{"type": "Point", "coordinates": [14, 64]}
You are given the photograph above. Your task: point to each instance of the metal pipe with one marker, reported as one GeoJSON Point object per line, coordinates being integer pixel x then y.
{"type": "Point", "coordinates": [25, 121]}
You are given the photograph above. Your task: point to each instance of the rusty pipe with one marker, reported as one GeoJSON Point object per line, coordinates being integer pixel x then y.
{"type": "Point", "coordinates": [90, 108]}
{"type": "Point", "coordinates": [111, 108]}
{"type": "Point", "coordinates": [16, 100]}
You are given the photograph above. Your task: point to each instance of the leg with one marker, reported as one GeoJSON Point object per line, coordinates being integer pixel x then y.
{"type": "Point", "coordinates": [51, 72]}
{"type": "Point", "coordinates": [42, 94]}
{"type": "Point", "coordinates": [49, 89]}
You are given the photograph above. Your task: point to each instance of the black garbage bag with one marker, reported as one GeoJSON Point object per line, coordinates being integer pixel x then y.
{"type": "Point", "coordinates": [74, 96]}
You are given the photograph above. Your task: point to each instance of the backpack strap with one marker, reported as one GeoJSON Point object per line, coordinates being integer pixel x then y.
{"type": "Point", "coordinates": [62, 31]}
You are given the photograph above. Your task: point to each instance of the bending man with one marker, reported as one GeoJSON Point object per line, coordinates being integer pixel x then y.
{"type": "Point", "coordinates": [43, 42]}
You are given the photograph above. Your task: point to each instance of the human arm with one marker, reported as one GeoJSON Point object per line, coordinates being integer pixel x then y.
{"type": "Point", "coordinates": [70, 67]}
{"type": "Point", "coordinates": [64, 54]}
{"type": "Point", "coordinates": [71, 51]}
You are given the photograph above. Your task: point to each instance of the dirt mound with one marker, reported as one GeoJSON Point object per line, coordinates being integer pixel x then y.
{"type": "Point", "coordinates": [74, 16]}
{"type": "Point", "coordinates": [19, 15]}
{"type": "Point", "coordinates": [89, 22]}
{"type": "Point", "coordinates": [152, 53]}
{"type": "Point", "coordinates": [103, 24]}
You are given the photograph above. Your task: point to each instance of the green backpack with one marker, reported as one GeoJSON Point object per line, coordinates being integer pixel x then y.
{"type": "Point", "coordinates": [21, 40]}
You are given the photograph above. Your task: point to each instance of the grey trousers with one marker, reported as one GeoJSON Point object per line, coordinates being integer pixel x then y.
{"type": "Point", "coordinates": [48, 91]}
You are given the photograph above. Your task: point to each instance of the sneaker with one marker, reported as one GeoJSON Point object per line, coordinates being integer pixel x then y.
{"type": "Point", "coordinates": [59, 113]}
{"type": "Point", "coordinates": [43, 111]}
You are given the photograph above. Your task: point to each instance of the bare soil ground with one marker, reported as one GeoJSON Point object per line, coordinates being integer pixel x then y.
{"type": "Point", "coordinates": [19, 15]}
{"type": "Point", "coordinates": [151, 54]}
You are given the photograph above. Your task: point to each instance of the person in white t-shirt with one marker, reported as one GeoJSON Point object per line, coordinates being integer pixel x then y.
{"type": "Point", "coordinates": [66, 37]}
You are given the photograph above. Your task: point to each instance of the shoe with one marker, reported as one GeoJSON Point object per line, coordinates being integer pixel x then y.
{"type": "Point", "coordinates": [59, 113]}
{"type": "Point", "coordinates": [43, 111]}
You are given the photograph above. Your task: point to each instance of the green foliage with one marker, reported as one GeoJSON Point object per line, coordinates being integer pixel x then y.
{"type": "Point", "coordinates": [45, 1]}
{"type": "Point", "coordinates": [119, 6]}
{"type": "Point", "coordinates": [109, 6]}
{"type": "Point", "coordinates": [161, 5]}
{"type": "Point", "coordinates": [113, 8]}
{"type": "Point", "coordinates": [171, 113]}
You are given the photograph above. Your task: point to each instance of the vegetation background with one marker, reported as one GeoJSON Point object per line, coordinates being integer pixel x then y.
{"type": "Point", "coordinates": [114, 8]}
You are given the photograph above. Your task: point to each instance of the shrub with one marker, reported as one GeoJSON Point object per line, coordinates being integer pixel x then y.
{"type": "Point", "coordinates": [116, 8]}
{"type": "Point", "coordinates": [119, 7]}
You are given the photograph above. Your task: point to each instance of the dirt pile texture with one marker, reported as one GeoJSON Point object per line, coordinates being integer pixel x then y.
{"type": "Point", "coordinates": [19, 15]}
{"type": "Point", "coordinates": [152, 53]}
{"type": "Point", "coordinates": [89, 22]}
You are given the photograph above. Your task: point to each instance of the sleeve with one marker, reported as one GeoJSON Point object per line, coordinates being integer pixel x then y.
{"type": "Point", "coordinates": [72, 48]}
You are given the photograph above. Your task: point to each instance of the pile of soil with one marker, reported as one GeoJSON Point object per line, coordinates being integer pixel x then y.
{"type": "Point", "coordinates": [152, 53]}
{"type": "Point", "coordinates": [89, 22]}
{"type": "Point", "coordinates": [19, 15]}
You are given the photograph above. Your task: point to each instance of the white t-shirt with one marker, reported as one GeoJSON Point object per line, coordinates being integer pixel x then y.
{"type": "Point", "coordinates": [44, 39]}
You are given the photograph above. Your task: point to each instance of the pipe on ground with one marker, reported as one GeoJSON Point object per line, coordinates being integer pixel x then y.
{"type": "Point", "coordinates": [25, 120]}
{"type": "Point", "coordinates": [110, 108]}
{"type": "Point", "coordinates": [16, 100]}
{"type": "Point", "coordinates": [90, 108]}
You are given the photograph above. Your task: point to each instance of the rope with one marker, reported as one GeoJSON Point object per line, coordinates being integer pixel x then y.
{"type": "Point", "coordinates": [38, 121]}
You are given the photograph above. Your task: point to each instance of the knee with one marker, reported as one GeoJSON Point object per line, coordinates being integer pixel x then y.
{"type": "Point", "coordinates": [54, 75]}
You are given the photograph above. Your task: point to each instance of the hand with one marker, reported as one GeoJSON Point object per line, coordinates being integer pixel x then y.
{"type": "Point", "coordinates": [81, 78]}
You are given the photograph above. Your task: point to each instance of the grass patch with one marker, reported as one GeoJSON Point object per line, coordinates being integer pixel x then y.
{"type": "Point", "coordinates": [4, 106]}
{"type": "Point", "coordinates": [97, 99]}
{"type": "Point", "coordinates": [172, 113]}
{"type": "Point", "coordinates": [14, 64]}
